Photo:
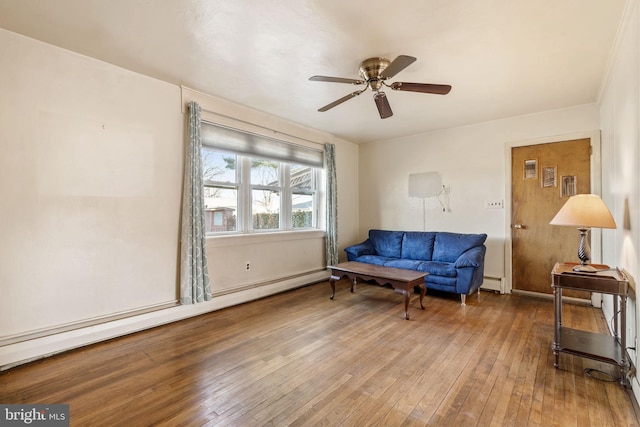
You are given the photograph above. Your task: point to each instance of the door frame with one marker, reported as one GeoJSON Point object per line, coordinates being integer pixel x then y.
{"type": "Point", "coordinates": [596, 188]}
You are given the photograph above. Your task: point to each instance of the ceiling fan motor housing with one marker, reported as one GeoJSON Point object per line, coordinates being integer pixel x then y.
{"type": "Point", "coordinates": [370, 70]}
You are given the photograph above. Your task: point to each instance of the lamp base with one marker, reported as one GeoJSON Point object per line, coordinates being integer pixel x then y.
{"type": "Point", "coordinates": [585, 268]}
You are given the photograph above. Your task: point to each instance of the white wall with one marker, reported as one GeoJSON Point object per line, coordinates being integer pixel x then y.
{"type": "Point", "coordinates": [91, 161]}
{"type": "Point", "coordinates": [472, 163]}
{"type": "Point", "coordinates": [620, 121]}
{"type": "Point", "coordinates": [90, 187]}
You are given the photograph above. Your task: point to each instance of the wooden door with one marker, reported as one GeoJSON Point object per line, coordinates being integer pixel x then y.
{"type": "Point", "coordinates": [543, 177]}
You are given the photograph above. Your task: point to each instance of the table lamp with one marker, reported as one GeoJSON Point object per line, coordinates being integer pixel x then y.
{"type": "Point", "coordinates": [584, 211]}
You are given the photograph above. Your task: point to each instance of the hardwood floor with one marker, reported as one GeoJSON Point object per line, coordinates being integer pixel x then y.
{"type": "Point", "coordinates": [300, 359]}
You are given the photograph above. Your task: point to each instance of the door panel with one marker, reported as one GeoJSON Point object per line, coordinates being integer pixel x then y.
{"type": "Point", "coordinates": [536, 198]}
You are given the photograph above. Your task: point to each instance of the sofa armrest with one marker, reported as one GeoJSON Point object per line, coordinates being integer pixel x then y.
{"type": "Point", "coordinates": [474, 257]}
{"type": "Point", "coordinates": [364, 248]}
{"type": "Point", "coordinates": [470, 268]}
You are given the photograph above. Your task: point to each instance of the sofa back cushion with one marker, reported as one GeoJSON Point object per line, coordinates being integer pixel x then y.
{"type": "Point", "coordinates": [418, 245]}
{"type": "Point", "coordinates": [387, 243]}
{"type": "Point", "coordinates": [449, 246]}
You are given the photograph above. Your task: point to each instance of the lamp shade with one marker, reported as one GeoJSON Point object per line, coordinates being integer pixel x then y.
{"type": "Point", "coordinates": [584, 211]}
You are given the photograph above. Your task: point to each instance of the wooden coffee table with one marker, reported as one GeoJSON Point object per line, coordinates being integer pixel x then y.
{"type": "Point", "coordinates": [403, 281]}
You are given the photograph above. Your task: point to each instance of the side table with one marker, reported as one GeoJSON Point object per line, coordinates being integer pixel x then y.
{"type": "Point", "coordinates": [601, 347]}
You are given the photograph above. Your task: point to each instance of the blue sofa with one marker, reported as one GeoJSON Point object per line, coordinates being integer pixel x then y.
{"type": "Point", "coordinates": [454, 261]}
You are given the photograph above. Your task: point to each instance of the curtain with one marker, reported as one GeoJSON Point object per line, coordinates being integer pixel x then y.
{"type": "Point", "coordinates": [332, 206]}
{"type": "Point", "coordinates": [194, 275]}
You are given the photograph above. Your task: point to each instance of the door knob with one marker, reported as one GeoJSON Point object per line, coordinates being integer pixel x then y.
{"type": "Point", "coordinates": [518, 226]}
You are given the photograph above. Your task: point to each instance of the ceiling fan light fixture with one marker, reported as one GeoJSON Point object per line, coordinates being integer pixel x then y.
{"type": "Point", "coordinates": [382, 103]}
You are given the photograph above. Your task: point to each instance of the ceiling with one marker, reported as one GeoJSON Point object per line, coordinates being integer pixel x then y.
{"type": "Point", "coordinates": [503, 58]}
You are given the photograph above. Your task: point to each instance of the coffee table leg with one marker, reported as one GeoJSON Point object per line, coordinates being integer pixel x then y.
{"type": "Point", "coordinates": [407, 294]}
{"type": "Point", "coordinates": [332, 282]}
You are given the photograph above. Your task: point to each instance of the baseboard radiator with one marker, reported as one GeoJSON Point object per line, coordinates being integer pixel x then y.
{"type": "Point", "coordinates": [491, 283]}
{"type": "Point", "coordinates": [33, 345]}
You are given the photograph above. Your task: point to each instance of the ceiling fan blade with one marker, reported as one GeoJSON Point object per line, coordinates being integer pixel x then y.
{"type": "Point", "coordinates": [340, 101]}
{"type": "Point", "coordinates": [421, 87]}
{"type": "Point", "coordinates": [397, 65]}
{"type": "Point", "coordinates": [335, 80]}
{"type": "Point", "coordinates": [383, 105]}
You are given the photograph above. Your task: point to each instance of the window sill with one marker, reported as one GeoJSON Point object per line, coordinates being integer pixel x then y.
{"type": "Point", "coordinates": [266, 236]}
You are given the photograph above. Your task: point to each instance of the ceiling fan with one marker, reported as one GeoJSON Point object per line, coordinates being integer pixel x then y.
{"type": "Point", "coordinates": [375, 72]}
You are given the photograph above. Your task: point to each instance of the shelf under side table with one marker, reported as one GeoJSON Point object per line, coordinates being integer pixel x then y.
{"type": "Point", "coordinates": [604, 348]}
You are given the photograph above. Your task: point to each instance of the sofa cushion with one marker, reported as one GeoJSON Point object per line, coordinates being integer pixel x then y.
{"type": "Point", "coordinates": [387, 243]}
{"type": "Point", "coordinates": [449, 246]}
{"type": "Point", "coordinates": [418, 245]}
{"type": "Point", "coordinates": [407, 264]}
{"type": "Point", "coordinates": [373, 259]}
{"type": "Point", "coordinates": [445, 269]}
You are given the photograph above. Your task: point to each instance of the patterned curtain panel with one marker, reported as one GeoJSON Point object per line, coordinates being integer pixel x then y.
{"type": "Point", "coordinates": [194, 276]}
{"type": "Point", "coordinates": [332, 205]}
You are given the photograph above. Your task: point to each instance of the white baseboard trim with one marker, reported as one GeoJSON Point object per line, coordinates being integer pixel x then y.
{"type": "Point", "coordinates": [26, 351]}
{"type": "Point", "coordinates": [572, 300]}
{"type": "Point", "coordinates": [635, 388]}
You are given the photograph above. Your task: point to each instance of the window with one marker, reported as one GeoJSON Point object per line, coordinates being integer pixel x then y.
{"type": "Point", "coordinates": [266, 189]}
{"type": "Point", "coordinates": [220, 179]}
{"type": "Point", "coordinates": [248, 192]}
{"type": "Point", "coordinates": [303, 186]}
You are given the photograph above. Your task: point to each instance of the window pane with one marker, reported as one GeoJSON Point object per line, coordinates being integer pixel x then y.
{"type": "Point", "coordinates": [302, 210]}
{"type": "Point", "coordinates": [264, 172]}
{"type": "Point", "coordinates": [301, 176]}
{"type": "Point", "coordinates": [218, 218]}
{"type": "Point", "coordinates": [218, 166]}
{"type": "Point", "coordinates": [221, 207]}
{"type": "Point", "coordinates": [265, 209]}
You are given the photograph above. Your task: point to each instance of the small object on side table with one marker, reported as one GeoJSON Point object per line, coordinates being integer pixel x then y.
{"type": "Point", "coordinates": [601, 347]}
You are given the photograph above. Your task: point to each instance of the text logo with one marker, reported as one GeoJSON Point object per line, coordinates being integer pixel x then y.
{"type": "Point", "coordinates": [34, 415]}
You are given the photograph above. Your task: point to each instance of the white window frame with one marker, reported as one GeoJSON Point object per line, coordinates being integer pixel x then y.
{"type": "Point", "coordinates": [244, 187]}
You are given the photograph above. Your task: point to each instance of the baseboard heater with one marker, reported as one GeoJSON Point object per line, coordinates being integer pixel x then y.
{"type": "Point", "coordinates": [492, 283]}
{"type": "Point", "coordinates": [260, 284]}
{"type": "Point", "coordinates": [13, 339]}
{"type": "Point", "coordinates": [84, 323]}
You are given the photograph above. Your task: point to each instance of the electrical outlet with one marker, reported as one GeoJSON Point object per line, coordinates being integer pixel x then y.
{"type": "Point", "coordinates": [493, 204]}
{"type": "Point", "coordinates": [247, 265]}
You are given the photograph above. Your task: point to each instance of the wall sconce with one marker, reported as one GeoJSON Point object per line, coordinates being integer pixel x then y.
{"type": "Point", "coordinates": [584, 211]}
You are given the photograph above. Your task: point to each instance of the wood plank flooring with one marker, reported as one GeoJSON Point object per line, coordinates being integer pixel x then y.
{"type": "Point", "coordinates": [300, 359]}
